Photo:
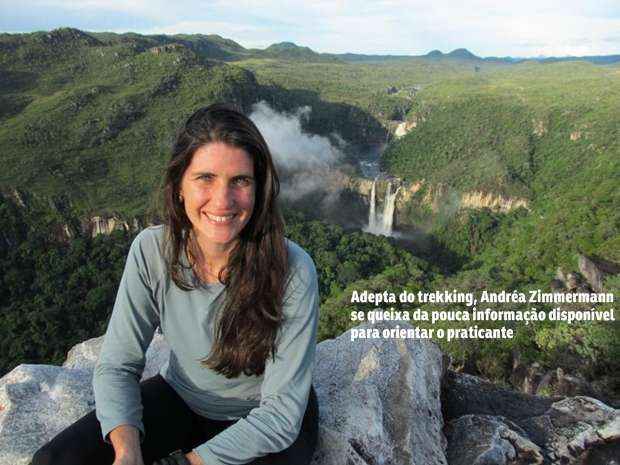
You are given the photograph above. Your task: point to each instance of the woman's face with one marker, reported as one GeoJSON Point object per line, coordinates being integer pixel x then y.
{"type": "Point", "coordinates": [218, 193]}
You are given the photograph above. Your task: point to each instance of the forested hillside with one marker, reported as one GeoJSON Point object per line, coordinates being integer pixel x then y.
{"type": "Point", "coordinates": [99, 116]}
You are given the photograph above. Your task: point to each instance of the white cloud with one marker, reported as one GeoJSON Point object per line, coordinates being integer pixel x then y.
{"type": "Point", "coordinates": [486, 27]}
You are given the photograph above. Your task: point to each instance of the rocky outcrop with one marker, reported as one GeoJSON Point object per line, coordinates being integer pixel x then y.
{"type": "Point", "coordinates": [441, 197]}
{"type": "Point", "coordinates": [39, 401]}
{"type": "Point", "coordinates": [595, 270]}
{"type": "Point", "coordinates": [404, 128]}
{"type": "Point", "coordinates": [494, 202]}
{"type": "Point", "coordinates": [567, 431]}
{"type": "Point", "coordinates": [381, 401]}
{"type": "Point", "coordinates": [540, 128]}
{"type": "Point", "coordinates": [166, 48]}
{"type": "Point", "coordinates": [484, 439]}
{"type": "Point", "coordinates": [534, 380]}
{"type": "Point", "coordinates": [575, 135]}
{"type": "Point", "coordinates": [107, 225]}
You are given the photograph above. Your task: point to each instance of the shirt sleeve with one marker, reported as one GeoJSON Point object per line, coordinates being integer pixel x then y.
{"type": "Point", "coordinates": [275, 424]}
{"type": "Point", "coordinates": [116, 379]}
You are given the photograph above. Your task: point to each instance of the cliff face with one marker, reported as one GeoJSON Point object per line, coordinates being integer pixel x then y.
{"type": "Point", "coordinates": [438, 197]}
{"type": "Point", "coordinates": [107, 225]}
{"type": "Point", "coordinates": [63, 224]}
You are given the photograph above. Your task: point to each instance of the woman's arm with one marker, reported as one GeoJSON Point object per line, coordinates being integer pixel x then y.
{"type": "Point", "coordinates": [126, 442]}
{"type": "Point", "coordinates": [130, 331]}
{"type": "Point", "coordinates": [275, 424]}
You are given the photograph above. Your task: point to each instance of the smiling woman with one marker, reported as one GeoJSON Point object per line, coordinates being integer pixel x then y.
{"type": "Point", "coordinates": [236, 301]}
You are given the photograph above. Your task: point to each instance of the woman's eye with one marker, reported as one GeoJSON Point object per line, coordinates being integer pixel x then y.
{"type": "Point", "coordinates": [243, 182]}
{"type": "Point", "coordinates": [206, 177]}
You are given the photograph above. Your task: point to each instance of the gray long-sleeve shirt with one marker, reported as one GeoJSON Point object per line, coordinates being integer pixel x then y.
{"type": "Point", "coordinates": [270, 407]}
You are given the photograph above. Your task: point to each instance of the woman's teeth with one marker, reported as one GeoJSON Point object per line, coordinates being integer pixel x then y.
{"type": "Point", "coordinates": [219, 219]}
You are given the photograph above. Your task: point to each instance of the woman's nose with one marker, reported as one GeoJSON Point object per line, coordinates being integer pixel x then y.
{"type": "Point", "coordinates": [222, 196]}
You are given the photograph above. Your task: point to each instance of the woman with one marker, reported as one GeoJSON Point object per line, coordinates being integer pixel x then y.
{"type": "Point", "coordinates": [236, 301]}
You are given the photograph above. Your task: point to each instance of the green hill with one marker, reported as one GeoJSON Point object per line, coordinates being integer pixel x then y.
{"type": "Point", "coordinates": [94, 115]}
{"type": "Point", "coordinates": [548, 134]}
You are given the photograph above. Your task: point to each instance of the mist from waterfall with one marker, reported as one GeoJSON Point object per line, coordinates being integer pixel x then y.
{"type": "Point", "coordinates": [381, 223]}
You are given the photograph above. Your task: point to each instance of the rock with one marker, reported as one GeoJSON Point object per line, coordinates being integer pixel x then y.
{"type": "Point", "coordinates": [581, 427]}
{"type": "Point", "coordinates": [540, 129]}
{"type": "Point", "coordinates": [464, 394]}
{"type": "Point", "coordinates": [379, 404]}
{"type": "Point", "coordinates": [596, 270]}
{"type": "Point", "coordinates": [104, 225]}
{"type": "Point", "coordinates": [36, 403]}
{"type": "Point", "coordinates": [574, 281]}
{"type": "Point", "coordinates": [525, 378]}
{"type": "Point", "coordinates": [166, 48]}
{"type": "Point", "coordinates": [559, 383]}
{"type": "Point", "coordinates": [84, 355]}
{"type": "Point", "coordinates": [381, 398]}
{"type": "Point", "coordinates": [556, 285]}
{"type": "Point", "coordinates": [404, 128]}
{"type": "Point", "coordinates": [570, 431]}
{"type": "Point", "coordinates": [484, 439]}
{"type": "Point", "coordinates": [561, 276]}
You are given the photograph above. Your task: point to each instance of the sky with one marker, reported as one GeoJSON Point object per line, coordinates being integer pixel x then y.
{"type": "Point", "coordinates": [518, 28]}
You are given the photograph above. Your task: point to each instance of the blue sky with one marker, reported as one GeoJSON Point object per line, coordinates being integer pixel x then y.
{"type": "Point", "coordinates": [485, 27]}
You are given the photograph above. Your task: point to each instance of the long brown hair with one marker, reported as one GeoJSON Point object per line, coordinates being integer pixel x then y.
{"type": "Point", "coordinates": [251, 315]}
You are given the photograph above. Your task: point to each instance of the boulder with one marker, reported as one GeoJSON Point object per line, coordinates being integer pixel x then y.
{"type": "Point", "coordinates": [577, 427]}
{"type": "Point", "coordinates": [485, 439]}
{"type": "Point", "coordinates": [39, 401]}
{"type": "Point", "coordinates": [378, 400]}
{"type": "Point", "coordinates": [569, 431]}
{"type": "Point", "coordinates": [596, 270]}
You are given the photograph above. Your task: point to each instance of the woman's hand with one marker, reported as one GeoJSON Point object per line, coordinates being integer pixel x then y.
{"type": "Point", "coordinates": [194, 458]}
{"type": "Point", "coordinates": [177, 458]}
{"type": "Point", "coordinates": [129, 460]}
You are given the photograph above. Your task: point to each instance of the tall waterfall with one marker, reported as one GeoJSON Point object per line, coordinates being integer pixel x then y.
{"type": "Point", "coordinates": [372, 216]}
{"type": "Point", "coordinates": [382, 224]}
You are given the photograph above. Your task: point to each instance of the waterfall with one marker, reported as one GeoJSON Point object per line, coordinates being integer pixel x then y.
{"type": "Point", "coordinates": [388, 210]}
{"type": "Point", "coordinates": [372, 220]}
{"type": "Point", "coordinates": [382, 224]}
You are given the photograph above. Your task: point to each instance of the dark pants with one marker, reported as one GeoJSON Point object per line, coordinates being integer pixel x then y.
{"type": "Point", "coordinates": [170, 425]}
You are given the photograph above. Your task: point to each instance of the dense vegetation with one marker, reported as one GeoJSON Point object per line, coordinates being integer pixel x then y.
{"type": "Point", "coordinates": [548, 135]}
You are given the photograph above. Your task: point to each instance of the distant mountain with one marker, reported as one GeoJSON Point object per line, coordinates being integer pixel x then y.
{"type": "Point", "coordinates": [595, 59]}
{"type": "Point", "coordinates": [210, 46]}
{"type": "Point", "coordinates": [292, 51]}
{"type": "Point", "coordinates": [434, 54]}
{"type": "Point", "coordinates": [463, 54]}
